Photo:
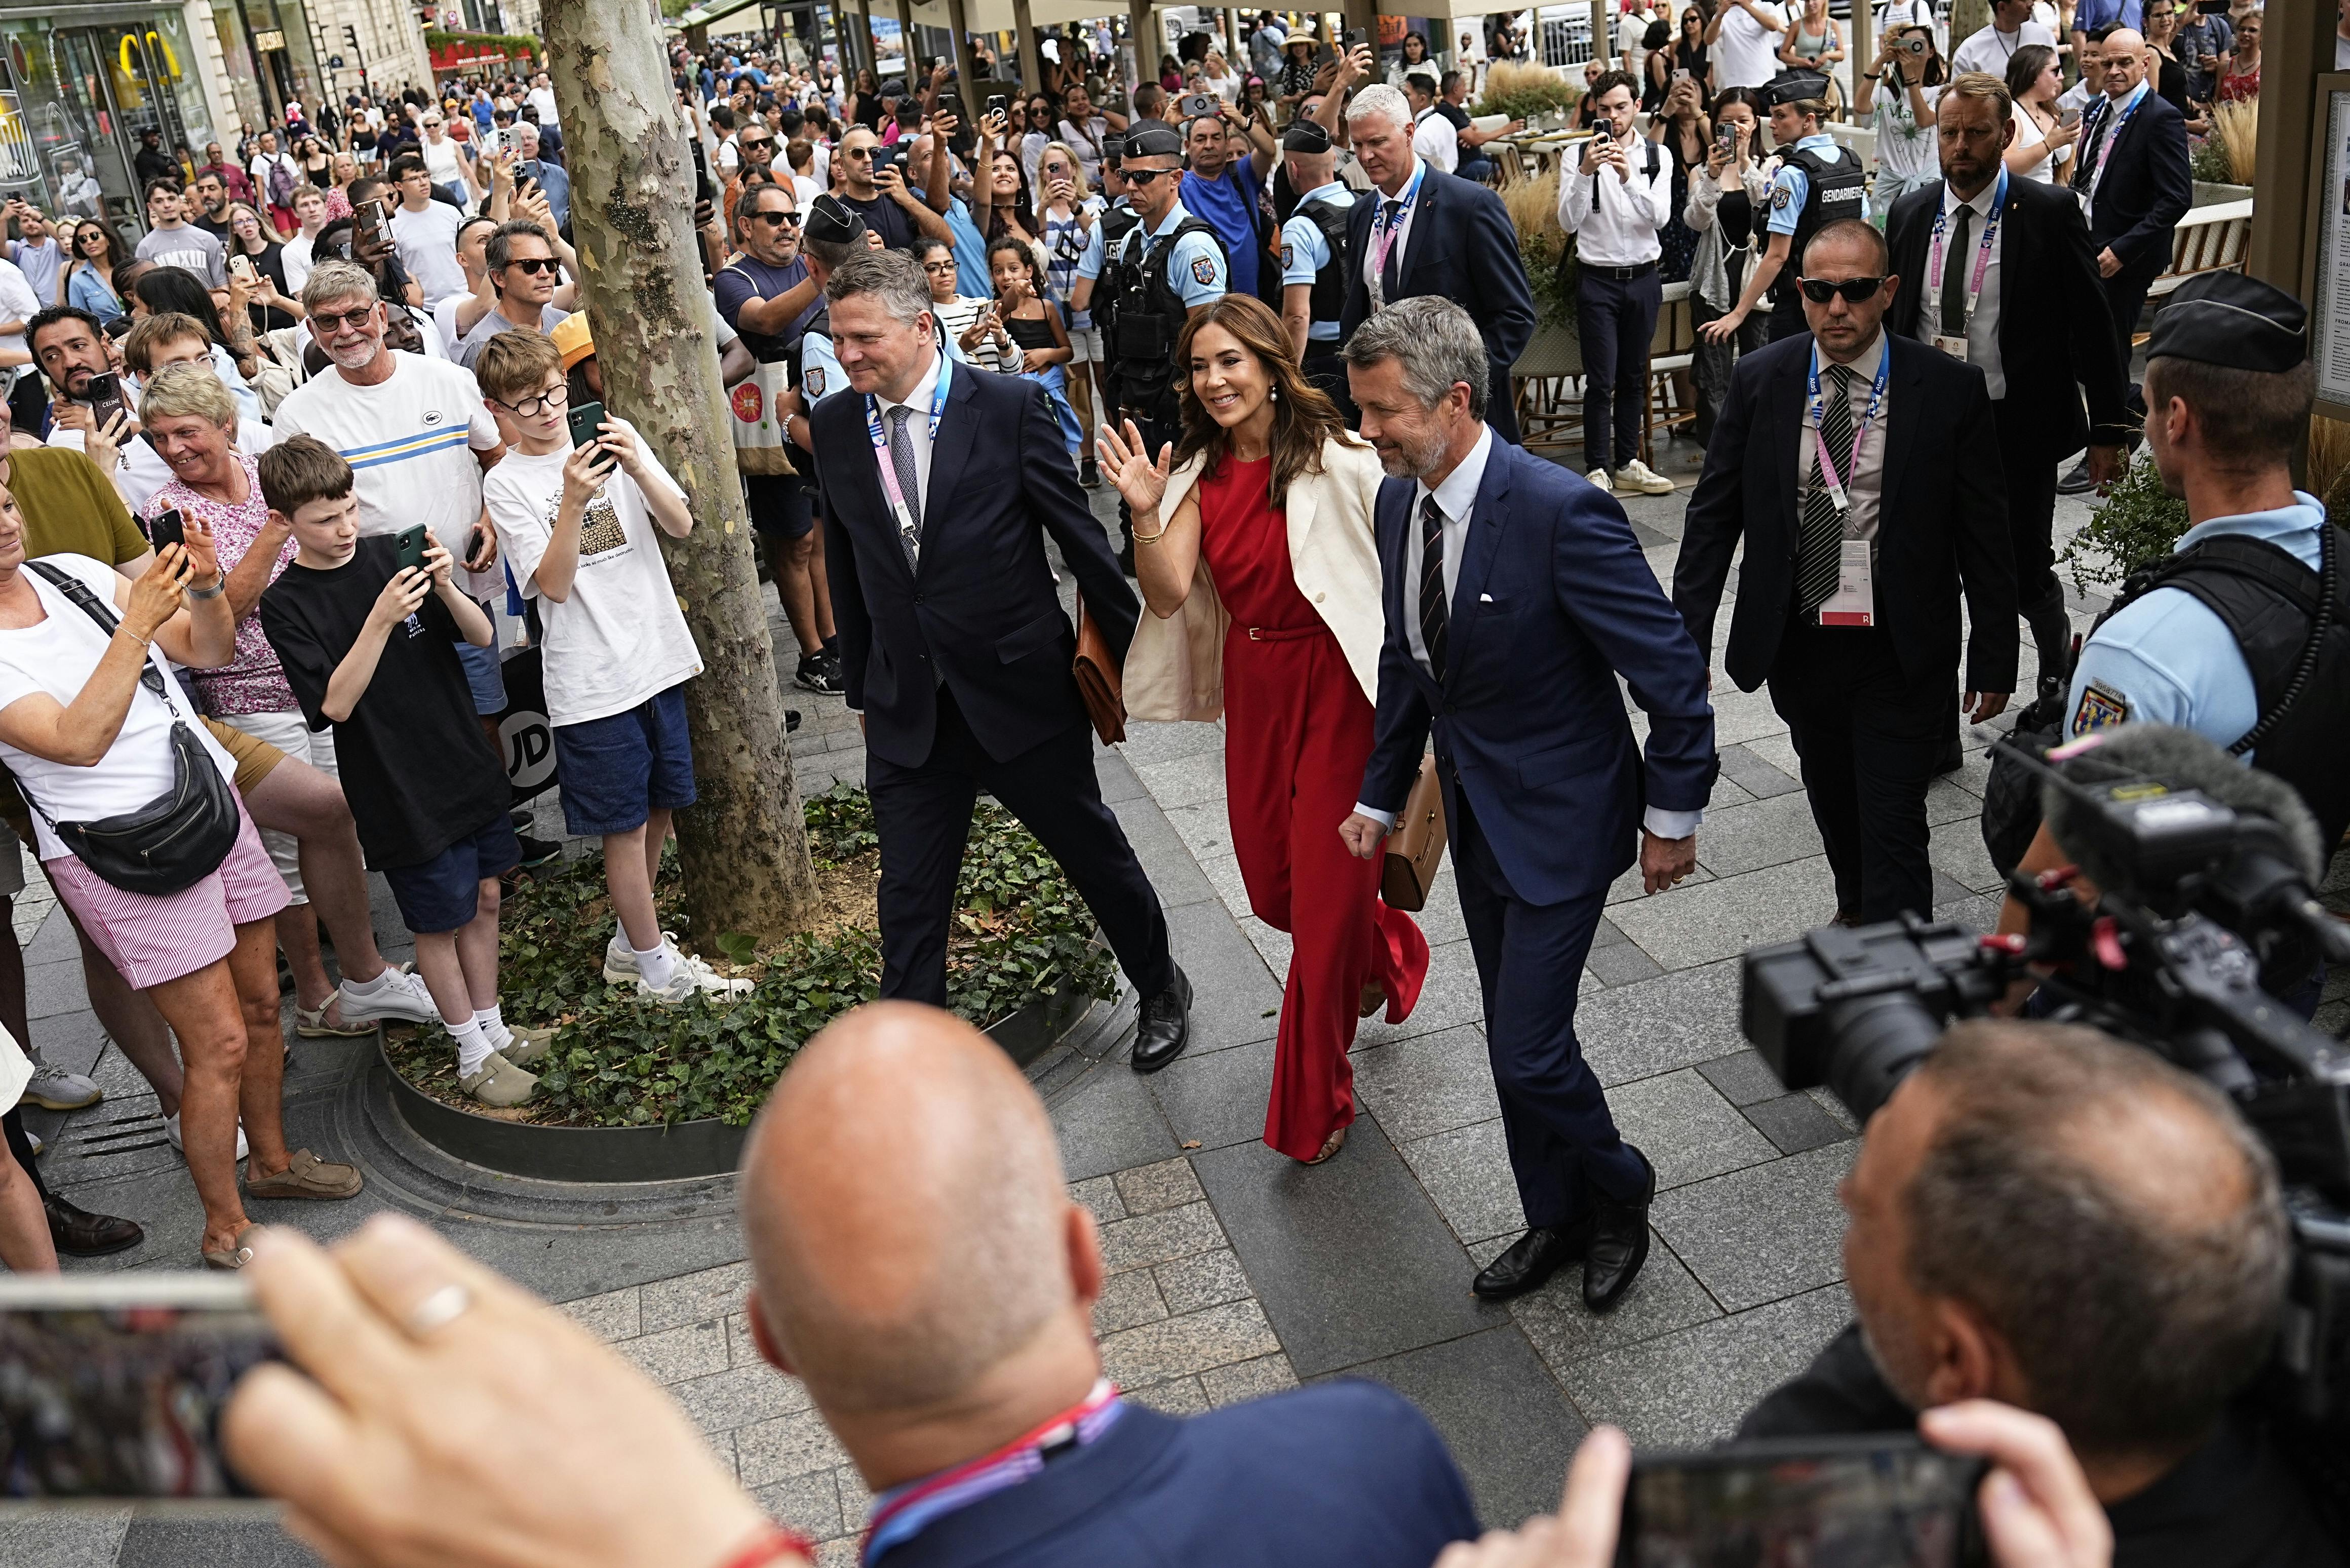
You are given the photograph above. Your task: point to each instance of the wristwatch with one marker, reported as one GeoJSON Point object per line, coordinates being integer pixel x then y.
{"type": "Point", "coordinates": [219, 587]}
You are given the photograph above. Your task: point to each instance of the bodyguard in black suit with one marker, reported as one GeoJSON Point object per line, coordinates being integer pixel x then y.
{"type": "Point", "coordinates": [954, 648]}
{"type": "Point", "coordinates": [2132, 178]}
{"type": "Point", "coordinates": [2036, 326]}
{"type": "Point", "coordinates": [1865, 677]}
{"type": "Point", "coordinates": [1422, 231]}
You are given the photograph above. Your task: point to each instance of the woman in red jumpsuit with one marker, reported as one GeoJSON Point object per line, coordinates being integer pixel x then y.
{"type": "Point", "coordinates": [1254, 553]}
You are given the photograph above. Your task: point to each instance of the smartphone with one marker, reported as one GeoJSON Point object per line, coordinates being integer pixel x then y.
{"type": "Point", "coordinates": [1196, 104]}
{"type": "Point", "coordinates": [703, 190]}
{"type": "Point", "coordinates": [1356, 38]}
{"type": "Point", "coordinates": [367, 221]}
{"type": "Point", "coordinates": [950, 103]}
{"type": "Point", "coordinates": [112, 1386]}
{"type": "Point", "coordinates": [167, 527]}
{"type": "Point", "coordinates": [409, 546]}
{"type": "Point", "coordinates": [2069, 118]}
{"type": "Point", "coordinates": [242, 267]}
{"type": "Point", "coordinates": [1726, 137]}
{"type": "Point", "coordinates": [1886, 1500]}
{"type": "Point", "coordinates": [884, 157]}
{"type": "Point", "coordinates": [999, 104]}
{"type": "Point", "coordinates": [104, 395]}
{"type": "Point", "coordinates": [474, 538]}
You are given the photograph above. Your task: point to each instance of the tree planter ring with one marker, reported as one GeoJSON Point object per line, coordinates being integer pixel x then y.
{"type": "Point", "coordinates": [703, 1147]}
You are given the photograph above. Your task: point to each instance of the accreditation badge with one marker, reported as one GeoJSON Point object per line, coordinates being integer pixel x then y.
{"type": "Point", "coordinates": [1955, 347]}
{"type": "Point", "coordinates": [1854, 603]}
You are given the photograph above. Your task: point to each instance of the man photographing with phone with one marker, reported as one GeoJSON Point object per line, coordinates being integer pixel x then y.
{"type": "Point", "coordinates": [874, 188]}
{"type": "Point", "coordinates": [1222, 186]}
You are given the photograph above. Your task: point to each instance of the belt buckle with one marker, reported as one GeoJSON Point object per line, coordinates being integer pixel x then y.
{"type": "Point", "coordinates": [1256, 634]}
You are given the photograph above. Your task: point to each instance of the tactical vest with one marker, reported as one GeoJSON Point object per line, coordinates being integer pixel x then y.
{"type": "Point", "coordinates": [2269, 603]}
{"type": "Point", "coordinates": [794, 375]}
{"type": "Point", "coordinates": [1329, 296]}
{"type": "Point", "coordinates": [1149, 320]}
{"type": "Point", "coordinates": [1838, 190]}
{"type": "Point", "coordinates": [1117, 222]}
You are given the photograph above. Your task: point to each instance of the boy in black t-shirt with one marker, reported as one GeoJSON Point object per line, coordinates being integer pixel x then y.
{"type": "Point", "coordinates": [369, 646]}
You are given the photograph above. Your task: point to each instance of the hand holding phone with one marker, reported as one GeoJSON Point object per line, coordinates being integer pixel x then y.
{"type": "Point", "coordinates": [408, 546]}
{"type": "Point", "coordinates": [167, 527]}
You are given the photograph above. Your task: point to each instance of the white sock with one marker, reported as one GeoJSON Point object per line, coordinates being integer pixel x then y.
{"type": "Point", "coordinates": [620, 942]}
{"type": "Point", "coordinates": [655, 965]}
{"type": "Point", "coordinates": [472, 1048]}
{"type": "Point", "coordinates": [493, 1028]}
{"type": "Point", "coordinates": [369, 987]}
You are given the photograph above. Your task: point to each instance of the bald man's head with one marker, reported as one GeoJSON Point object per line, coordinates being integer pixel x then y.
{"type": "Point", "coordinates": [907, 1219]}
{"type": "Point", "coordinates": [2126, 62]}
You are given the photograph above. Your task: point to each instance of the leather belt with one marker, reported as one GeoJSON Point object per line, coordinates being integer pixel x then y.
{"type": "Point", "coordinates": [1620, 274]}
{"type": "Point", "coordinates": [1284, 633]}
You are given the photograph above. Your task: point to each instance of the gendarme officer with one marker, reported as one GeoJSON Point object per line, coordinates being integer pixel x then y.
{"type": "Point", "coordinates": [1170, 264]}
{"type": "Point", "coordinates": [1314, 258]}
{"type": "Point", "coordinates": [1816, 183]}
{"type": "Point", "coordinates": [2223, 638]}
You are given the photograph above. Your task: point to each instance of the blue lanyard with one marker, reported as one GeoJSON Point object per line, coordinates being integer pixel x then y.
{"type": "Point", "coordinates": [1384, 241]}
{"type": "Point", "coordinates": [2105, 146]}
{"type": "Point", "coordinates": [1982, 251]}
{"type": "Point", "coordinates": [1817, 410]}
{"type": "Point", "coordinates": [908, 524]}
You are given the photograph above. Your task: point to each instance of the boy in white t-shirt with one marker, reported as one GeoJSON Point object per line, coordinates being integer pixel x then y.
{"type": "Point", "coordinates": [577, 527]}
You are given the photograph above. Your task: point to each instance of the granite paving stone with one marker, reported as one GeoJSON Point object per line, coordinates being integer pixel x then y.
{"type": "Point", "coordinates": [1107, 1121]}
{"type": "Point", "coordinates": [1748, 837]}
{"type": "Point", "coordinates": [1957, 847]}
{"type": "Point", "coordinates": [1234, 995]}
{"type": "Point", "coordinates": [1796, 1122]}
{"type": "Point", "coordinates": [1689, 1388]}
{"type": "Point", "coordinates": [739, 1396]}
{"type": "Point", "coordinates": [1147, 1189]}
{"type": "Point", "coordinates": [1429, 1083]}
{"type": "Point", "coordinates": [1097, 1195]}
{"type": "Point", "coordinates": [1186, 1346]}
{"type": "Point", "coordinates": [1623, 964]}
{"type": "Point", "coordinates": [691, 1298]}
{"type": "Point", "coordinates": [1148, 1239]}
{"type": "Point", "coordinates": [55, 1538]}
{"type": "Point", "coordinates": [1186, 780]}
{"type": "Point", "coordinates": [1174, 874]}
{"type": "Point", "coordinates": [611, 1315]}
{"type": "Point", "coordinates": [1681, 1018]}
{"type": "Point", "coordinates": [810, 1503]}
{"type": "Point", "coordinates": [1202, 1280]}
{"type": "Point", "coordinates": [1175, 1396]}
{"type": "Point", "coordinates": [1756, 776]}
{"type": "Point", "coordinates": [1688, 1130]}
{"type": "Point", "coordinates": [676, 1355]}
{"type": "Point", "coordinates": [1664, 1297]}
{"type": "Point", "coordinates": [1451, 997]}
{"type": "Point", "coordinates": [1699, 923]}
{"type": "Point", "coordinates": [1758, 1234]}
{"type": "Point", "coordinates": [1127, 1299]}
{"type": "Point", "coordinates": [1218, 1099]}
{"type": "Point", "coordinates": [1742, 1078]}
{"type": "Point", "coordinates": [1467, 1171]}
{"type": "Point", "coordinates": [1245, 1380]}
{"type": "Point", "coordinates": [784, 1445]}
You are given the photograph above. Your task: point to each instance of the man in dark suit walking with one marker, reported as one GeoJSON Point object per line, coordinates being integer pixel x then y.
{"type": "Point", "coordinates": [1423, 232]}
{"type": "Point", "coordinates": [940, 483]}
{"type": "Point", "coordinates": [1862, 471]}
{"type": "Point", "coordinates": [1998, 273]}
{"type": "Point", "coordinates": [1516, 595]}
{"type": "Point", "coordinates": [2132, 177]}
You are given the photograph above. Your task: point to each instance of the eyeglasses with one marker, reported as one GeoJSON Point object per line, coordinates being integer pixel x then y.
{"type": "Point", "coordinates": [534, 265]}
{"type": "Point", "coordinates": [779, 220]}
{"type": "Point", "coordinates": [334, 321]}
{"type": "Point", "coordinates": [939, 268]}
{"type": "Point", "coordinates": [531, 408]}
{"type": "Point", "coordinates": [1145, 176]}
{"type": "Point", "coordinates": [1856, 290]}
{"type": "Point", "coordinates": [752, 144]}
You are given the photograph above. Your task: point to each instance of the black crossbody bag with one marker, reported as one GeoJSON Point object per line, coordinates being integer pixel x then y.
{"type": "Point", "coordinates": [181, 836]}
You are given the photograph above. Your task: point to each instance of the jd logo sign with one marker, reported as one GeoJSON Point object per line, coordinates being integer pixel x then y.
{"type": "Point", "coordinates": [524, 734]}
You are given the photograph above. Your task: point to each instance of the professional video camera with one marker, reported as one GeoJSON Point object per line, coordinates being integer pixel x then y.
{"type": "Point", "coordinates": [2204, 914]}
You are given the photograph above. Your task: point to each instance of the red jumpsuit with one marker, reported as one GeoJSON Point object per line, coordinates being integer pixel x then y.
{"type": "Point", "coordinates": [1297, 732]}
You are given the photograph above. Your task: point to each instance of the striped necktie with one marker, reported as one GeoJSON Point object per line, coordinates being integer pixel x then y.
{"type": "Point", "coordinates": [1434, 616]}
{"type": "Point", "coordinates": [1820, 556]}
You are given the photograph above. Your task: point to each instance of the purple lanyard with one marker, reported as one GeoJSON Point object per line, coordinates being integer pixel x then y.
{"type": "Point", "coordinates": [1386, 240]}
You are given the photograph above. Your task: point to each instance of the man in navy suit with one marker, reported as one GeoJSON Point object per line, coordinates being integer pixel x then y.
{"type": "Point", "coordinates": [1424, 231]}
{"type": "Point", "coordinates": [939, 482]}
{"type": "Point", "coordinates": [918, 1261]}
{"type": "Point", "coordinates": [1516, 595]}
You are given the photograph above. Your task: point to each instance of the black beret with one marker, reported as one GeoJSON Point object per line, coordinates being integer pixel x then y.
{"type": "Point", "coordinates": [1798, 87]}
{"type": "Point", "coordinates": [830, 222]}
{"type": "Point", "coordinates": [1306, 136]}
{"type": "Point", "coordinates": [2227, 319]}
{"type": "Point", "coordinates": [1153, 138]}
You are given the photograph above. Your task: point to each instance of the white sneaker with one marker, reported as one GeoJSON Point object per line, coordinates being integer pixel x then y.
{"type": "Point", "coordinates": [1637, 475]}
{"type": "Point", "coordinates": [172, 1131]}
{"type": "Point", "coordinates": [401, 998]}
{"type": "Point", "coordinates": [54, 1089]}
{"type": "Point", "coordinates": [1606, 481]}
{"type": "Point", "coordinates": [620, 959]}
{"type": "Point", "coordinates": [693, 976]}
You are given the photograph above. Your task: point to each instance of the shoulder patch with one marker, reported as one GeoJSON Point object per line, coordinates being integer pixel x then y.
{"type": "Point", "coordinates": [1203, 269]}
{"type": "Point", "coordinates": [1780, 193]}
{"type": "Point", "coordinates": [2101, 707]}
{"type": "Point", "coordinates": [1288, 252]}
{"type": "Point", "coordinates": [812, 381]}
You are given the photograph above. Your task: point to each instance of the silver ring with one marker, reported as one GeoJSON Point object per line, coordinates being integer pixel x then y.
{"type": "Point", "coordinates": [439, 1310]}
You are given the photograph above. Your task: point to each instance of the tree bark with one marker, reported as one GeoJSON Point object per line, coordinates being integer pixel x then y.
{"type": "Point", "coordinates": [743, 846]}
{"type": "Point", "coordinates": [1968, 17]}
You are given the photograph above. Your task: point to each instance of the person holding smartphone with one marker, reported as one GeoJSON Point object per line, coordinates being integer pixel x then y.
{"type": "Point", "coordinates": [876, 192]}
{"type": "Point", "coordinates": [1906, 83]}
{"type": "Point", "coordinates": [2044, 134]}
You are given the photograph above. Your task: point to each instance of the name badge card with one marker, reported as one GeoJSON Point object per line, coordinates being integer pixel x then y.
{"type": "Point", "coordinates": [1956, 348]}
{"type": "Point", "coordinates": [1854, 603]}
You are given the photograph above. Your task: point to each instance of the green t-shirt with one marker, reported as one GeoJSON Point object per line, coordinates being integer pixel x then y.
{"type": "Point", "coordinates": [70, 508]}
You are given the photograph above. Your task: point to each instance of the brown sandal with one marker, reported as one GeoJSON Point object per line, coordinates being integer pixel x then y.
{"type": "Point", "coordinates": [233, 1257]}
{"type": "Point", "coordinates": [1330, 1146]}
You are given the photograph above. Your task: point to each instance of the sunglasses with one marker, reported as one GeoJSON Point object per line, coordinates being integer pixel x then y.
{"type": "Point", "coordinates": [534, 265]}
{"type": "Point", "coordinates": [1145, 176]}
{"type": "Point", "coordinates": [334, 321]}
{"type": "Point", "coordinates": [531, 408]}
{"type": "Point", "coordinates": [1856, 290]}
{"type": "Point", "coordinates": [753, 143]}
{"type": "Point", "coordinates": [779, 220]}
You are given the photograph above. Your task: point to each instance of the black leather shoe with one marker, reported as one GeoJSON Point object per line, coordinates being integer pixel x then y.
{"type": "Point", "coordinates": [2078, 481]}
{"type": "Point", "coordinates": [1531, 1259]}
{"type": "Point", "coordinates": [1164, 1026]}
{"type": "Point", "coordinates": [79, 1233]}
{"type": "Point", "coordinates": [1619, 1243]}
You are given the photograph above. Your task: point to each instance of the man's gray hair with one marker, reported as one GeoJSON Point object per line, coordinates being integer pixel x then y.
{"type": "Point", "coordinates": [894, 276]}
{"type": "Point", "coordinates": [1435, 341]}
{"type": "Point", "coordinates": [1380, 99]}
{"type": "Point", "coordinates": [330, 281]}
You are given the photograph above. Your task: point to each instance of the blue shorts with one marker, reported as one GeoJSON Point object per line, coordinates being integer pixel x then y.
{"type": "Point", "coordinates": [617, 770]}
{"type": "Point", "coordinates": [782, 505]}
{"type": "Point", "coordinates": [444, 893]}
{"type": "Point", "coordinates": [482, 675]}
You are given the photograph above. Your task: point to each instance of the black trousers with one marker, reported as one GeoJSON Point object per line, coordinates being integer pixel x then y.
{"type": "Point", "coordinates": [2031, 476]}
{"type": "Point", "coordinates": [1615, 319]}
{"type": "Point", "coordinates": [922, 815]}
{"type": "Point", "coordinates": [1868, 739]}
{"type": "Point", "coordinates": [2125, 297]}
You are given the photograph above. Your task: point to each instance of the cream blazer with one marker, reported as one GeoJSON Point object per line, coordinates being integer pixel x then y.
{"type": "Point", "coordinates": [1175, 666]}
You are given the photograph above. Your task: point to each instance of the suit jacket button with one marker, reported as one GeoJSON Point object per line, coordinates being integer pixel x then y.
{"type": "Point", "coordinates": [918, 599]}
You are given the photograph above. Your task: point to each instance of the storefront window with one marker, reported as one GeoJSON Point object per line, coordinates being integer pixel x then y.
{"type": "Point", "coordinates": [73, 101]}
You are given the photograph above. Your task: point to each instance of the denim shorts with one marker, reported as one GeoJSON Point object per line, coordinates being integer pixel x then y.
{"type": "Point", "coordinates": [482, 672]}
{"type": "Point", "coordinates": [617, 770]}
{"type": "Point", "coordinates": [443, 894]}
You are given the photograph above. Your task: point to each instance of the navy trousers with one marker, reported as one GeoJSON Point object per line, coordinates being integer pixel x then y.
{"type": "Point", "coordinates": [1616, 318]}
{"type": "Point", "coordinates": [922, 816]}
{"type": "Point", "coordinates": [1562, 1140]}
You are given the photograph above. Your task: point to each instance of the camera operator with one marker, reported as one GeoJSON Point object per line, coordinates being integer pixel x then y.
{"type": "Point", "coordinates": [2047, 1217]}
{"type": "Point", "coordinates": [2213, 639]}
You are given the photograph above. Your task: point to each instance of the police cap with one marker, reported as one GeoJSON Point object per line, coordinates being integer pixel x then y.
{"type": "Point", "coordinates": [1306, 136]}
{"type": "Point", "coordinates": [2227, 319]}
{"type": "Point", "coordinates": [829, 222]}
{"type": "Point", "coordinates": [1797, 87]}
{"type": "Point", "coordinates": [1154, 139]}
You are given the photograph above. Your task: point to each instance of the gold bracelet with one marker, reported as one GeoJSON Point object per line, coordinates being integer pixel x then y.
{"type": "Point", "coordinates": [1146, 538]}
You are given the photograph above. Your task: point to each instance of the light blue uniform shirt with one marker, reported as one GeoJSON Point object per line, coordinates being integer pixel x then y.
{"type": "Point", "coordinates": [1304, 251]}
{"type": "Point", "coordinates": [1196, 272]}
{"type": "Point", "coordinates": [1090, 260]}
{"type": "Point", "coordinates": [1791, 187]}
{"type": "Point", "coordinates": [2169, 659]}
{"type": "Point", "coordinates": [820, 372]}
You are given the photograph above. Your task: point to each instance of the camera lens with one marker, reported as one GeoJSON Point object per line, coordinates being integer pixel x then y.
{"type": "Point", "coordinates": [1878, 1039]}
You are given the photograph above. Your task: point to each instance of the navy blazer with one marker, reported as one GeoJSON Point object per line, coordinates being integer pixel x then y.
{"type": "Point", "coordinates": [983, 613]}
{"type": "Point", "coordinates": [1553, 601]}
{"type": "Point", "coordinates": [1943, 518]}
{"type": "Point", "coordinates": [2146, 191]}
{"type": "Point", "coordinates": [1345, 1472]}
{"type": "Point", "coordinates": [1463, 246]}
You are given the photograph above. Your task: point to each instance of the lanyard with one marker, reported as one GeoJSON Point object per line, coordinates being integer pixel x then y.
{"type": "Point", "coordinates": [1982, 251]}
{"type": "Point", "coordinates": [910, 527]}
{"type": "Point", "coordinates": [1817, 409]}
{"type": "Point", "coordinates": [900, 1515]}
{"type": "Point", "coordinates": [2105, 146]}
{"type": "Point", "coordinates": [1385, 240]}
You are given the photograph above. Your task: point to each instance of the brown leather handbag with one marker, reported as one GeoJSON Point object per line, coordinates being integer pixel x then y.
{"type": "Point", "coordinates": [1098, 679]}
{"type": "Point", "coordinates": [1416, 847]}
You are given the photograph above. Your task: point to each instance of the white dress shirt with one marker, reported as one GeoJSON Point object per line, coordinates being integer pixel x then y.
{"type": "Point", "coordinates": [1615, 220]}
{"type": "Point", "coordinates": [1863, 472]}
{"type": "Point", "coordinates": [917, 431]}
{"type": "Point", "coordinates": [1402, 243]}
{"type": "Point", "coordinates": [1982, 327]}
{"type": "Point", "coordinates": [1456, 499]}
{"type": "Point", "coordinates": [1434, 140]}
